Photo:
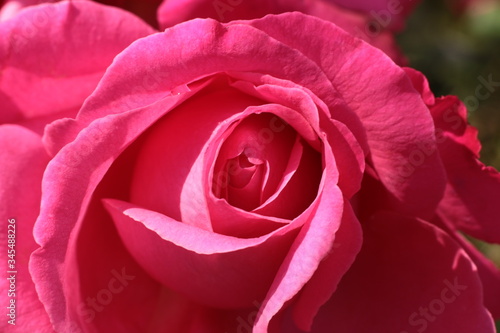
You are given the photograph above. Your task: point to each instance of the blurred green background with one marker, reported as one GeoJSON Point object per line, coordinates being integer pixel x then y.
{"type": "Point", "coordinates": [454, 48]}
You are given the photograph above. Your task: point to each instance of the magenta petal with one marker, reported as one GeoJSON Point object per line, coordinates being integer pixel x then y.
{"type": "Point", "coordinates": [306, 253]}
{"type": "Point", "coordinates": [213, 269]}
{"type": "Point", "coordinates": [377, 94]}
{"type": "Point", "coordinates": [249, 196]}
{"type": "Point", "coordinates": [178, 57]}
{"type": "Point", "coordinates": [487, 270]}
{"type": "Point", "coordinates": [170, 168]}
{"type": "Point", "coordinates": [299, 186]}
{"type": "Point", "coordinates": [409, 276]}
{"type": "Point", "coordinates": [325, 280]}
{"type": "Point", "coordinates": [420, 83]}
{"type": "Point", "coordinates": [473, 189]}
{"type": "Point", "coordinates": [265, 140]}
{"type": "Point", "coordinates": [75, 49]}
{"type": "Point", "coordinates": [68, 185]}
{"type": "Point", "coordinates": [310, 117]}
{"type": "Point", "coordinates": [469, 202]}
{"type": "Point", "coordinates": [234, 221]}
{"type": "Point", "coordinates": [23, 162]}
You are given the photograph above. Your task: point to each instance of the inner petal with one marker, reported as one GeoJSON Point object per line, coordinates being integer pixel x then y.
{"type": "Point", "coordinates": [251, 161]}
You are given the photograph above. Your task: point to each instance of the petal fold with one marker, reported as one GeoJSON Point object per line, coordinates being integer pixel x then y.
{"type": "Point", "coordinates": [66, 46]}
{"type": "Point", "coordinates": [413, 271]}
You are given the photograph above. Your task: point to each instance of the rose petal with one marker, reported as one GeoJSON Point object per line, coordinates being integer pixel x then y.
{"type": "Point", "coordinates": [469, 201]}
{"type": "Point", "coordinates": [325, 280]}
{"type": "Point", "coordinates": [23, 162]}
{"type": "Point", "coordinates": [72, 177]}
{"type": "Point", "coordinates": [380, 96]}
{"type": "Point", "coordinates": [307, 252]}
{"type": "Point", "coordinates": [159, 76]}
{"type": "Point", "coordinates": [114, 294]}
{"type": "Point", "coordinates": [84, 37]}
{"type": "Point", "coordinates": [344, 143]}
{"type": "Point", "coordinates": [299, 186]}
{"type": "Point", "coordinates": [173, 61]}
{"type": "Point", "coordinates": [488, 272]}
{"type": "Point", "coordinates": [413, 271]}
{"type": "Point", "coordinates": [256, 137]}
{"type": "Point", "coordinates": [168, 175]}
{"type": "Point", "coordinates": [472, 186]}
{"type": "Point", "coordinates": [222, 271]}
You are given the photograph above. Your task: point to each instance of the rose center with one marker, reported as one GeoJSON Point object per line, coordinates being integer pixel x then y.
{"type": "Point", "coordinates": [252, 160]}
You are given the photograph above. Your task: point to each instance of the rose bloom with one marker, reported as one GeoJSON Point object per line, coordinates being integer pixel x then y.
{"type": "Point", "coordinates": [270, 175]}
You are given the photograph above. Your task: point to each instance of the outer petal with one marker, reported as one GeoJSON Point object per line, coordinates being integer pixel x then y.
{"type": "Point", "coordinates": [227, 272]}
{"type": "Point", "coordinates": [66, 47]}
{"type": "Point", "coordinates": [409, 276]}
{"type": "Point", "coordinates": [487, 270]}
{"type": "Point", "coordinates": [311, 246]}
{"type": "Point", "coordinates": [325, 280]}
{"type": "Point", "coordinates": [23, 160]}
{"type": "Point", "coordinates": [178, 57]}
{"type": "Point", "coordinates": [396, 120]}
{"type": "Point", "coordinates": [473, 190]}
{"type": "Point", "coordinates": [471, 196]}
{"type": "Point", "coordinates": [69, 183]}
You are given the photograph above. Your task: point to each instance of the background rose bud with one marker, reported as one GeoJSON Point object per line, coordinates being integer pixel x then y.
{"type": "Point", "coordinates": [365, 24]}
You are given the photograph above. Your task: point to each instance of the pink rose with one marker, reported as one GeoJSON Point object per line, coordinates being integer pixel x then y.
{"type": "Point", "coordinates": [239, 177]}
